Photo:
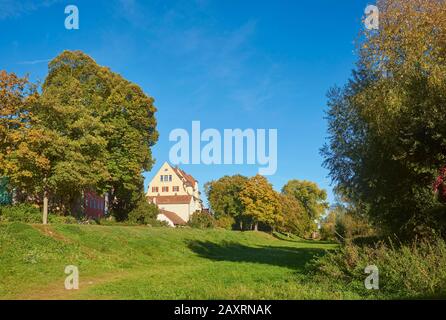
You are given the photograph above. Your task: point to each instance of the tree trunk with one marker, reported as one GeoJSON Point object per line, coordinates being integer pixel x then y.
{"type": "Point", "coordinates": [45, 207]}
{"type": "Point", "coordinates": [241, 225]}
{"type": "Point", "coordinates": [256, 226]}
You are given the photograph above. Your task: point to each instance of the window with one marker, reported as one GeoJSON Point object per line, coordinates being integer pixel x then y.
{"type": "Point", "coordinates": [170, 178]}
{"type": "Point", "coordinates": [155, 189]}
{"type": "Point", "coordinates": [166, 178]}
{"type": "Point", "coordinates": [176, 189]}
{"type": "Point", "coordinates": [161, 177]}
{"type": "Point", "coordinates": [165, 189]}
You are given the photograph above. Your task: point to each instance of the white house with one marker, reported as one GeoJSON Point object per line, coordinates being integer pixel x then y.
{"type": "Point", "coordinates": [175, 193]}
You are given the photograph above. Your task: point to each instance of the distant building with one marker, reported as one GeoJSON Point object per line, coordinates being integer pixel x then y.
{"type": "Point", "coordinates": [95, 206]}
{"type": "Point", "coordinates": [175, 193]}
{"type": "Point", "coordinates": [171, 218]}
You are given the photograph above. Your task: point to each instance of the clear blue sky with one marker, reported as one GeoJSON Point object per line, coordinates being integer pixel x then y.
{"type": "Point", "coordinates": [228, 63]}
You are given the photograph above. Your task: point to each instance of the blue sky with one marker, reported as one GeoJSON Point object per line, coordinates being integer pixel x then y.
{"type": "Point", "coordinates": [257, 64]}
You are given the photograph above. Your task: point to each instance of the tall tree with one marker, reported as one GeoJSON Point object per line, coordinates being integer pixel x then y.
{"type": "Point", "coordinates": [295, 219]}
{"type": "Point", "coordinates": [387, 134]}
{"type": "Point", "coordinates": [224, 197]}
{"type": "Point", "coordinates": [66, 113]}
{"type": "Point", "coordinates": [261, 202]}
{"type": "Point", "coordinates": [130, 134]}
{"type": "Point", "coordinates": [309, 195]}
{"type": "Point", "coordinates": [20, 141]}
{"type": "Point", "coordinates": [102, 128]}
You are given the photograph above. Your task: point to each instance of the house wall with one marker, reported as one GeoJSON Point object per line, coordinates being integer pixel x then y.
{"type": "Point", "coordinates": [162, 217]}
{"type": "Point", "coordinates": [166, 169]}
{"type": "Point", "coordinates": [182, 210]}
{"type": "Point", "coordinates": [94, 205]}
{"type": "Point", "coordinates": [195, 206]}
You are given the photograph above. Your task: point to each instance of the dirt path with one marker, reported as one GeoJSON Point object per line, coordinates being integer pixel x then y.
{"type": "Point", "coordinates": [57, 291]}
{"type": "Point", "coordinates": [50, 232]}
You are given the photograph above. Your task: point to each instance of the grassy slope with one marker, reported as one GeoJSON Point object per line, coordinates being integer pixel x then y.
{"type": "Point", "coordinates": [154, 263]}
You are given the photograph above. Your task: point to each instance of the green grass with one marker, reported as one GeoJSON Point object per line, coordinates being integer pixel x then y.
{"type": "Point", "coordinates": [156, 263]}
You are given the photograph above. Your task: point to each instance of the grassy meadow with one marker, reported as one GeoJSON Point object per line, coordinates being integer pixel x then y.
{"type": "Point", "coordinates": [118, 262]}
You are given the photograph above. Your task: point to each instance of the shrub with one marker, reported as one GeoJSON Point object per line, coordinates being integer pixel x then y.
{"type": "Point", "coordinates": [328, 227]}
{"type": "Point", "coordinates": [144, 213]}
{"type": "Point", "coordinates": [109, 221]}
{"type": "Point", "coordinates": [350, 225]}
{"type": "Point", "coordinates": [62, 219]}
{"type": "Point", "coordinates": [201, 220]}
{"type": "Point", "coordinates": [407, 271]}
{"type": "Point", "coordinates": [225, 222]}
{"type": "Point", "coordinates": [21, 213]}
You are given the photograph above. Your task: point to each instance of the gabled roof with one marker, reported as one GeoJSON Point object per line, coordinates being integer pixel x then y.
{"type": "Point", "coordinates": [184, 176]}
{"type": "Point", "coordinates": [171, 199]}
{"type": "Point", "coordinates": [176, 220]}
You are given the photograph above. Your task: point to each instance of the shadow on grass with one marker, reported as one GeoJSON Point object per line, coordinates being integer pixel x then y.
{"type": "Point", "coordinates": [289, 257]}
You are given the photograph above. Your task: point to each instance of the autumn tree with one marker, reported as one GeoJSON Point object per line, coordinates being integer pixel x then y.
{"type": "Point", "coordinates": [13, 116]}
{"type": "Point", "coordinates": [387, 135]}
{"type": "Point", "coordinates": [21, 161]}
{"type": "Point", "coordinates": [261, 203]}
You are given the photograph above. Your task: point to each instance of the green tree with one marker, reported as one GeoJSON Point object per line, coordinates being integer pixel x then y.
{"type": "Point", "coordinates": [309, 195]}
{"type": "Point", "coordinates": [144, 213]}
{"type": "Point", "coordinates": [261, 203]}
{"type": "Point", "coordinates": [102, 128]}
{"type": "Point", "coordinates": [224, 198]}
{"type": "Point", "coordinates": [201, 220]}
{"type": "Point", "coordinates": [131, 132]}
{"type": "Point", "coordinates": [387, 134]}
{"type": "Point", "coordinates": [66, 114]}
{"type": "Point", "coordinates": [328, 226]}
{"type": "Point", "coordinates": [295, 220]}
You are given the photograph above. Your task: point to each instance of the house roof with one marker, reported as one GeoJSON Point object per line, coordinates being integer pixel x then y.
{"type": "Point", "coordinates": [176, 220]}
{"type": "Point", "coordinates": [171, 199]}
{"type": "Point", "coordinates": [184, 176]}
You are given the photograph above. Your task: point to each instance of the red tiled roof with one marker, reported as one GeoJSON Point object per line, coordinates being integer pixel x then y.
{"type": "Point", "coordinates": [173, 217]}
{"type": "Point", "coordinates": [180, 173]}
{"type": "Point", "coordinates": [171, 199]}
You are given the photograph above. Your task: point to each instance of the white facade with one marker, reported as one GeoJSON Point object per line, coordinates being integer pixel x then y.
{"type": "Point", "coordinates": [163, 218]}
{"type": "Point", "coordinates": [174, 190]}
